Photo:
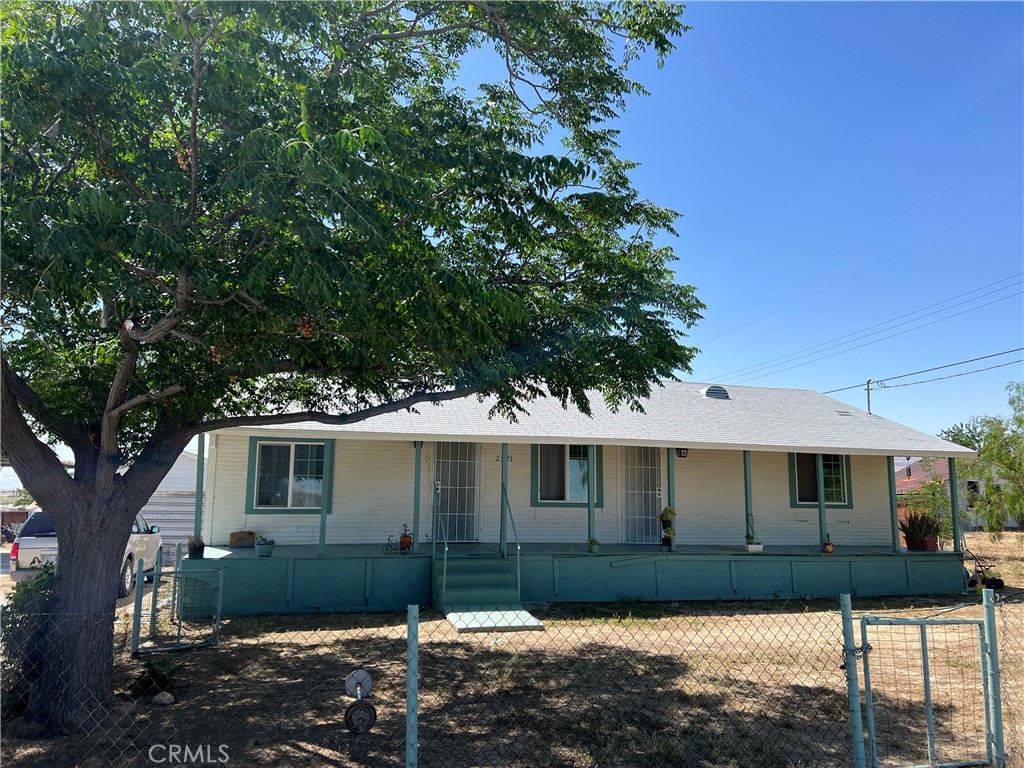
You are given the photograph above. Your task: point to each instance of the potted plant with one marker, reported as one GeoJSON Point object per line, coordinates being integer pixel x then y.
{"type": "Point", "coordinates": [667, 535]}
{"type": "Point", "coordinates": [753, 545]}
{"type": "Point", "coordinates": [196, 547]}
{"type": "Point", "coordinates": [592, 545]}
{"type": "Point", "coordinates": [828, 546]}
{"type": "Point", "coordinates": [668, 514]}
{"type": "Point", "coordinates": [405, 540]}
{"type": "Point", "coordinates": [921, 531]}
{"type": "Point", "coordinates": [264, 546]}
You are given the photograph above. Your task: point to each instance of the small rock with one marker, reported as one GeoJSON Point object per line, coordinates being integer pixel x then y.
{"type": "Point", "coordinates": [163, 698]}
{"type": "Point", "coordinates": [20, 728]}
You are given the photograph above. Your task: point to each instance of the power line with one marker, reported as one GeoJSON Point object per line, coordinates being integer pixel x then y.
{"type": "Point", "coordinates": [880, 382]}
{"type": "Point", "coordinates": [951, 376]}
{"type": "Point", "coordinates": [797, 355]}
{"type": "Point", "coordinates": [869, 343]}
{"type": "Point", "coordinates": [866, 269]}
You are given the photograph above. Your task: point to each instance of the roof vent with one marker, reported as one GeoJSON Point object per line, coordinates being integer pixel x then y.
{"type": "Point", "coordinates": [715, 392]}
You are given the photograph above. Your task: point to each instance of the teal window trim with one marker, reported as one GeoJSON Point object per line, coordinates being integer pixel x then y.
{"type": "Point", "coordinates": [535, 500]}
{"type": "Point", "coordinates": [848, 481]}
{"type": "Point", "coordinates": [250, 481]}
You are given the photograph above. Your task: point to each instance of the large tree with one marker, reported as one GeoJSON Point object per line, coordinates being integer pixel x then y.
{"type": "Point", "coordinates": [225, 214]}
{"type": "Point", "coordinates": [999, 442]}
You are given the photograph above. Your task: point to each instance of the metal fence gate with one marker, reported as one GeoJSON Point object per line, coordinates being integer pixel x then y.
{"type": "Point", "coordinates": [931, 690]}
{"type": "Point", "coordinates": [181, 610]}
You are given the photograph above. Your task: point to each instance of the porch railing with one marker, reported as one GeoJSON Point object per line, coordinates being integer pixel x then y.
{"type": "Point", "coordinates": [440, 529]}
{"type": "Point", "coordinates": [519, 549]}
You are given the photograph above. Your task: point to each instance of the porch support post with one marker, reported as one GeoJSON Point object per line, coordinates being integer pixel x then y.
{"type": "Point", "coordinates": [670, 454]}
{"type": "Point", "coordinates": [954, 503]}
{"type": "Point", "coordinates": [503, 532]}
{"type": "Point", "coordinates": [416, 497]}
{"type": "Point", "coordinates": [894, 516]}
{"type": "Point", "coordinates": [819, 465]}
{"type": "Point", "coordinates": [748, 494]}
{"type": "Point", "coordinates": [197, 526]}
{"type": "Point", "coordinates": [327, 496]}
{"type": "Point", "coordinates": [591, 492]}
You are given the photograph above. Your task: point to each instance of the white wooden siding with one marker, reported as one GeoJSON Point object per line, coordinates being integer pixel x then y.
{"type": "Point", "coordinates": [373, 488]}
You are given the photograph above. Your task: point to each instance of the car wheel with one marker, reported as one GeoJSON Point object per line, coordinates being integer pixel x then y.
{"type": "Point", "coordinates": [124, 584]}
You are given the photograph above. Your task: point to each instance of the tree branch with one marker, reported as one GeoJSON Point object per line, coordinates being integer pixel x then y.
{"type": "Point", "coordinates": [148, 397]}
{"type": "Point", "coordinates": [323, 417]}
{"type": "Point", "coordinates": [35, 462]}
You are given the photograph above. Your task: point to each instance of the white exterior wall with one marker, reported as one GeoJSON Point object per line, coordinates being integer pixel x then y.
{"type": "Point", "coordinates": [372, 495]}
{"type": "Point", "coordinates": [374, 480]}
{"type": "Point", "coordinates": [545, 524]}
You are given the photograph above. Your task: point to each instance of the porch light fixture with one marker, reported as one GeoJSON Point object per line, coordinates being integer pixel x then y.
{"type": "Point", "coordinates": [682, 452]}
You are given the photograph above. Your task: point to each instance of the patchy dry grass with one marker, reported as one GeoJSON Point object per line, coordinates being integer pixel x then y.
{"type": "Point", "coordinates": [626, 685]}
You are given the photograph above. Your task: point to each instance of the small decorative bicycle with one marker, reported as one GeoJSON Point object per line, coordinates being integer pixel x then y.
{"type": "Point", "coordinates": [402, 546]}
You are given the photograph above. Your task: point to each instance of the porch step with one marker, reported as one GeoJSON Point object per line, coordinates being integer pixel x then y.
{"type": "Point", "coordinates": [479, 596]}
{"type": "Point", "coordinates": [475, 581]}
{"type": "Point", "coordinates": [492, 618]}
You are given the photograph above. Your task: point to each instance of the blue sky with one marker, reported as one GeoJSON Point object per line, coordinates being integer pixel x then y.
{"type": "Point", "coordinates": [839, 166]}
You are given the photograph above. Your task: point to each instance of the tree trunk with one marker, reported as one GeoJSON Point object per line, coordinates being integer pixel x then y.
{"type": "Point", "coordinates": [75, 683]}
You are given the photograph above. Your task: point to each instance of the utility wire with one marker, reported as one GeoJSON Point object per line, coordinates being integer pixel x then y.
{"type": "Point", "coordinates": [951, 376]}
{"type": "Point", "coordinates": [875, 341]}
{"type": "Point", "coordinates": [879, 382]}
{"type": "Point", "coordinates": [797, 355]}
{"type": "Point", "coordinates": [866, 269]}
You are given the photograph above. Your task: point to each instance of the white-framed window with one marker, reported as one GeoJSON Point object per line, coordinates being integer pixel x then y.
{"type": "Point", "coordinates": [289, 475]}
{"type": "Point", "coordinates": [563, 473]}
{"type": "Point", "coordinates": [836, 479]}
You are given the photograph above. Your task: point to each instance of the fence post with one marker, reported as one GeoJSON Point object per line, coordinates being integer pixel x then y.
{"type": "Point", "coordinates": [156, 589]}
{"type": "Point", "coordinates": [137, 616]}
{"type": "Point", "coordinates": [175, 612]}
{"type": "Point", "coordinates": [412, 737]}
{"type": "Point", "coordinates": [852, 684]}
{"type": "Point", "coordinates": [995, 699]}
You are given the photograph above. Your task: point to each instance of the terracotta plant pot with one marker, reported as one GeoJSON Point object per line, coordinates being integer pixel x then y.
{"type": "Point", "coordinates": [828, 547]}
{"type": "Point", "coordinates": [404, 543]}
{"type": "Point", "coordinates": [930, 544]}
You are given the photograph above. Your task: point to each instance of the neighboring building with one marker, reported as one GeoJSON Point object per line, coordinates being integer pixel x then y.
{"type": "Point", "coordinates": [173, 505]}
{"type": "Point", "coordinates": [729, 460]}
{"type": "Point", "coordinates": [919, 472]}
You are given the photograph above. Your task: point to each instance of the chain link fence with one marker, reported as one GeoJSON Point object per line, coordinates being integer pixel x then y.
{"type": "Point", "coordinates": [619, 685]}
{"type": "Point", "coordinates": [638, 685]}
{"type": "Point", "coordinates": [181, 610]}
{"type": "Point", "coordinates": [111, 722]}
{"type": "Point", "coordinates": [929, 678]}
{"type": "Point", "coordinates": [1010, 627]}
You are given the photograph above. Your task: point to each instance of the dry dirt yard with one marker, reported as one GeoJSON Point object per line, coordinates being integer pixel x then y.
{"type": "Point", "coordinates": [743, 685]}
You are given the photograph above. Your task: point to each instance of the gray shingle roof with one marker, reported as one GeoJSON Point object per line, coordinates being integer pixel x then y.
{"type": "Point", "coordinates": [676, 414]}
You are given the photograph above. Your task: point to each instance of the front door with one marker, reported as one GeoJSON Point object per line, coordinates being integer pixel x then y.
{"type": "Point", "coordinates": [641, 504]}
{"type": "Point", "coordinates": [455, 478]}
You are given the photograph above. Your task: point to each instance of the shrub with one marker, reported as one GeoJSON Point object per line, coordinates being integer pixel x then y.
{"type": "Point", "coordinates": [23, 630]}
{"type": "Point", "coordinates": [920, 525]}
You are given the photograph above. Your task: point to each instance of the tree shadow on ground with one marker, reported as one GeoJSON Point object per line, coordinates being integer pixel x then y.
{"type": "Point", "coordinates": [276, 698]}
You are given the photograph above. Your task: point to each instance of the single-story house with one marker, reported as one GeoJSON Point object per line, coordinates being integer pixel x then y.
{"type": "Point", "coordinates": [501, 512]}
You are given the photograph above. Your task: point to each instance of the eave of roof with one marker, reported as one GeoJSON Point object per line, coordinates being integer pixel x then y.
{"type": "Point", "coordinates": [676, 415]}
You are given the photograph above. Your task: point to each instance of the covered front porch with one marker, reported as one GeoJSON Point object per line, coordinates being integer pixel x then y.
{"type": "Point", "coordinates": [359, 577]}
